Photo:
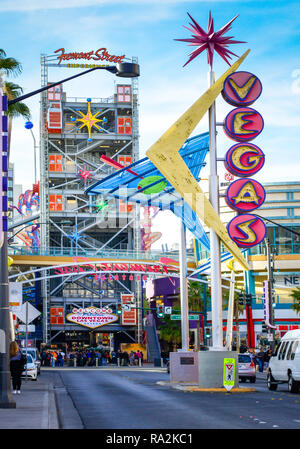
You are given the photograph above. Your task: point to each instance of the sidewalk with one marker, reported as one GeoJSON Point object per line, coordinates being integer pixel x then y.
{"type": "Point", "coordinates": [44, 404]}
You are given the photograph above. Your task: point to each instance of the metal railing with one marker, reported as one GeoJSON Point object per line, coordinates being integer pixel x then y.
{"type": "Point", "coordinates": [105, 254]}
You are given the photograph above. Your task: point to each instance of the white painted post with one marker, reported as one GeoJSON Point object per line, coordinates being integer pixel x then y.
{"type": "Point", "coordinates": [183, 290]}
{"type": "Point", "coordinates": [230, 312]}
{"type": "Point", "coordinates": [215, 256]}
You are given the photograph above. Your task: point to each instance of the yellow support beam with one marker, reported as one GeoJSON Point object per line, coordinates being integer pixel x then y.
{"type": "Point", "coordinates": [164, 154]}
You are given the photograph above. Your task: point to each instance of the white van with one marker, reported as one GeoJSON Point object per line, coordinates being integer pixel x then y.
{"type": "Point", "coordinates": [284, 365]}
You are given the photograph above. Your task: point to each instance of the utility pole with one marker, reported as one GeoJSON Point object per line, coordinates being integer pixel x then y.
{"type": "Point", "coordinates": [5, 394]}
{"type": "Point", "coordinates": [270, 279]}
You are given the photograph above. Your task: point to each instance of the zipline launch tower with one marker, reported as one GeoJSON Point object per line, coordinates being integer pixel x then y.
{"type": "Point", "coordinates": [74, 134]}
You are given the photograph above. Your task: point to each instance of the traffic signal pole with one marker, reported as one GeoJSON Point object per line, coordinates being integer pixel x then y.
{"type": "Point", "coordinates": [6, 400]}
{"type": "Point", "coordinates": [250, 327]}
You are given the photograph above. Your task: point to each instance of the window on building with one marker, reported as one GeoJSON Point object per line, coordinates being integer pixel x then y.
{"type": "Point", "coordinates": [55, 163]}
{"type": "Point", "coordinates": [283, 240]}
{"type": "Point", "coordinates": [296, 240]}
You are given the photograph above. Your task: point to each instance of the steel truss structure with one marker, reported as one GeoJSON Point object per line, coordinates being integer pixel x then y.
{"type": "Point", "coordinates": [70, 151]}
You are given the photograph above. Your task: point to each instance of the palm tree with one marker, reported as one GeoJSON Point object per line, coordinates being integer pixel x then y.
{"type": "Point", "coordinates": [9, 66]}
{"type": "Point", "coordinates": [296, 297]}
{"type": "Point", "coordinates": [12, 67]}
{"type": "Point", "coordinates": [170, 332]}
{"type": "Point", "coordinates": [195, 292]}
{"type": "Point", "coordinates": [12, 91]}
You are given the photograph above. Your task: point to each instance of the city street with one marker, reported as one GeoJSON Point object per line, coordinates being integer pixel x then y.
{"type": "Point", "coordinates": [130, 398]}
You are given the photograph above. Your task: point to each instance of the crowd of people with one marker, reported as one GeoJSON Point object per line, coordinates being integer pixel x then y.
{"type": "Point", "coordinates": [90, 357]}
{"type": "Point", "coordinates": [261, 357]}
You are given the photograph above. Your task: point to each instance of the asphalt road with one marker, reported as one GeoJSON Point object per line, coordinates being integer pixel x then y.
{"type": "Point", "coordinates": [131, 399]}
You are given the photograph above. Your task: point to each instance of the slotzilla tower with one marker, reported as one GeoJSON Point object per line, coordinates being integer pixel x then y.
{"type": "Point", "coordinates": [74, 134]}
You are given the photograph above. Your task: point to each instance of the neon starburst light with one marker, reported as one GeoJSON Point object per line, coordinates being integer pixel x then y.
{"type": "Point", "coordinates": [89, 120]}
{"type": "Point", "coordinates": [210, 41]}
{"type": "Point", "coordinates": [85, 174]}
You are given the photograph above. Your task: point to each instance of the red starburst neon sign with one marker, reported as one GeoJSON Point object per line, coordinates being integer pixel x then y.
{"type": "Point", "coordinates": [210, 40]}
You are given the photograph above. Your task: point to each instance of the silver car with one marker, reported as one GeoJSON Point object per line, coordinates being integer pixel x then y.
{"type": "Point", "coordinates": [36, 357]}
{"type": "Point", "coordinates": [30, 369]}
{"type": "Point", "coordinates": [246, 368]}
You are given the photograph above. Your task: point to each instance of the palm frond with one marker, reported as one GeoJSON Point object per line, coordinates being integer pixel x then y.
{"type": "Point", "coordinates": [10, 66]}
{"type": "Point", "coordinates": [19, 110]}
{"type": "Point", "coordinates": [12, 90]}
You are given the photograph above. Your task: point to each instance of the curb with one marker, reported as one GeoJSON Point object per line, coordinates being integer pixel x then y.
{"type": "Point", "coordinates": [192, 388]}
{"type": "Point", "coordinates": [68, 415]}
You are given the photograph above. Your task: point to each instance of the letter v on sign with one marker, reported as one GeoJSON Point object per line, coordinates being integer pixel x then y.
{"type": "Point", "coordinates": [164, 154]}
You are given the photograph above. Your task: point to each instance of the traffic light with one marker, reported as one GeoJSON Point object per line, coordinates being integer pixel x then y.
{"type": "Point", "coordinates": [248, 299]}
{"type": "Point", "coordinates": [241, 299]}
{"type": "Point", "coordinates": [207, 332]}
{"type": "Point", "coordinates": [160, 310]}
{"type": "Point", "coordinates": [264, 327]}
{"type": "Point", "coordinates": [119, 309]}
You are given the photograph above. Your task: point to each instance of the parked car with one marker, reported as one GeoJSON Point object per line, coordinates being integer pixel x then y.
{"type": "Point", "coordinates": [31, 368]}
{"type": "Point", "coordinates": [246, 368]}
{"type": "Point", "coordinates": [284, 365]}
{"type": "Point", "coordinates": [36, 357]}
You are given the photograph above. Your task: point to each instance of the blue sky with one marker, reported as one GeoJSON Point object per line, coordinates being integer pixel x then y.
{"type": "Point", "coordinates": [147, 29]}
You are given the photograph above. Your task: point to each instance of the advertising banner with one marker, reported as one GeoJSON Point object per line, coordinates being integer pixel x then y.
{"type": "Point", "coordinates": [128, 318]}
{"type": "Point", "coordinates": [92, 317]}
{"type": "Point", "coordinates": [15, 296]}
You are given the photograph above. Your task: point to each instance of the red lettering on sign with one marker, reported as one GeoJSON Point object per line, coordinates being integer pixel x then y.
{"type": "Point", "coordinates": [100, 54]}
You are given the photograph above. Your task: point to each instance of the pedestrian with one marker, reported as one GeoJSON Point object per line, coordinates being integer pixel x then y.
{"type": "Point", "coordinates": [48, 359]}
{"type": "Point", "coordinates": [17, 363]}
{"type": "Point", "coordinates": [119, 357]}
{"type": "Point", "coordinates": [136, 358]}
{"type": "Point", "coordinates": [131, 358]}
{"type": "Point", "coordinates": [60, 359]}
{"type": "Point", "coordinates": [268, 355]}
{"type": "Point", "coordinates": [126, 358]}
{"type": "Point", "coordinates": [139, 357]}
{"type": "Point", "coordinates": [243, 347]}
{"type": "Point", "coordinates": [260, 358]}
{"type": "Point", "coordinates": [43, 358]}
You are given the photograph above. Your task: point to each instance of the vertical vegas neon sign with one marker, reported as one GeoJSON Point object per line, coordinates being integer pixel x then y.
{"type": "Point", "coordinates": [244, 159]}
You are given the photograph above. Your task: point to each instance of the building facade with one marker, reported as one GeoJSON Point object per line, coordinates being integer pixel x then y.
{"type": "Point", "coordinates": [281, 214]}
{"type": "Point", "coordinates": [75, 135]}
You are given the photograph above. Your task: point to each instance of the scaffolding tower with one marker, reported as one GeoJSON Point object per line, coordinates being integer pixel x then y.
{"type": "Point", "coordinates": [74, 133]}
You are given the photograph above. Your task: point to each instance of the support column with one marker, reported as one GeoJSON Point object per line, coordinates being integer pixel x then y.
{"type": "Point", "coordinates": [215, 256]}
{"type": "Point", "coordinates": [183, 290]}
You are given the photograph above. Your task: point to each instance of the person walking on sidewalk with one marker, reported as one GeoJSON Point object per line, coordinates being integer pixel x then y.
{"type": "Point", "coordinates": [17, 362]}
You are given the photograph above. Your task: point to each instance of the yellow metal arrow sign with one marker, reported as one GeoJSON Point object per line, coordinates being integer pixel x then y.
{"type": "Point", "coordinates": [164, 154]}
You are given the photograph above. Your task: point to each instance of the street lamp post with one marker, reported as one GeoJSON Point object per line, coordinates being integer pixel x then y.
{"type": "Point", "coordinates": [29, 125]}
{"type": "Point", "coordinates": [125, 70]}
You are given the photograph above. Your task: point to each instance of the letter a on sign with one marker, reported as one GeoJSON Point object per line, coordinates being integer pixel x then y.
{"type": "Point", "coordinates": [229, 373]}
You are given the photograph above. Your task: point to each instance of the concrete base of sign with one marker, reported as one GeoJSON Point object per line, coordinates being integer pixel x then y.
{"type": "Point", "coordinates": [184, 367]}
{"type": "Point", "coordinates": [211, 366]}
{"type": "Point", "coordinates": [203, 368]}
